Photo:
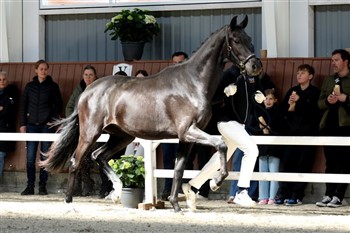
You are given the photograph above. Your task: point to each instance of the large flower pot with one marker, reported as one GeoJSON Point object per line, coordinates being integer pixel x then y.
{"type": "Point", "coordinates": [131, 197]}
{"type": "Point", "coordinates": [132, 50]}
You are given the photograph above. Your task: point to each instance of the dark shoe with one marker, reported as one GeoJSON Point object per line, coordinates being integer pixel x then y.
{"type": "Point", "coordinates": [324, 202]}
{"type": "Point", "coordinates": [334, 203]}
{"type": "Point", "coordinates": [28, 191]}
{"type": "Point", "coordinates": [42, 190]}
{"type": "Point", "coordinates": [281, 201]}
{"type": "Point", "coordinates": [292, 202]}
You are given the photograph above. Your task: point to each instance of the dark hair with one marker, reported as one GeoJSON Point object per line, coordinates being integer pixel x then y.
{"type": "Point", "coordinates": [143, 72]}
{"type": "Point", "coordinates": [270, 92]}
{"type": "Point", "coordinates": [180, 53]}
{"type": "Point", "coordinates": [343, 53]}
{"type": "Point", "coordinates": [308, 68]}
{"type": "Point", "coordinates": [41, 61]}
{"type": "Point", "coordinates": [90, 67]}
{"type": "Point", "coordinates": [120, 72]}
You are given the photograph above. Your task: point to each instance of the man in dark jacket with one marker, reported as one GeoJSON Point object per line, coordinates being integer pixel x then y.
{"type": "Point", "coordinates": [41, 103]}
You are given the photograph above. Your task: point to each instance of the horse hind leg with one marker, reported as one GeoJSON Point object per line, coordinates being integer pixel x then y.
{"type": "Point", "coordinates": [103, 154]}
{"type": "Point", "coordinates": [80, 152]}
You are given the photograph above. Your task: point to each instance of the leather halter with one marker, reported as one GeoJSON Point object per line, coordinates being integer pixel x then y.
{"type": "Point", "coordinates": [240, 64]}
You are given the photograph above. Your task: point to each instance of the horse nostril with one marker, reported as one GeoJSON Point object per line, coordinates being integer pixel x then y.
{"type": "Point", "coordinates": [255, 67]}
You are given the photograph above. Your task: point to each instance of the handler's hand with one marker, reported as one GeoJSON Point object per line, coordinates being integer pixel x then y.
{"type": "Point", "coordinates": [259, 97]}
{"type": "Point", "coordinates": [230, 90]}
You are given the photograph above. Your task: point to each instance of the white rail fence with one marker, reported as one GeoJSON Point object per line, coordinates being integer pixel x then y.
{"type": "Point", "coordinates": [152, 173]}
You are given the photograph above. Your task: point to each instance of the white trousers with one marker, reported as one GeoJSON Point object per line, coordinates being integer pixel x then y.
{"type": "Point", "coordinates": [234, 135]}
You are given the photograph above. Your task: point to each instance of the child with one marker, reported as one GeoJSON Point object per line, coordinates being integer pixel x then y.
{"type": "Point", "coordinates": [302, 116]}
{"type": "Point", "coordinates": [270, 123]}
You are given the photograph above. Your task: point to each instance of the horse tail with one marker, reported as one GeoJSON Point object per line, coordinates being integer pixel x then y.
{"type": "Point", "coordinates": [65, 145]}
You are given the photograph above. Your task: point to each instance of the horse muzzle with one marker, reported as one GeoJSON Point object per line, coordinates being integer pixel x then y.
{"type": "Point", "coordinates": [253, 66]}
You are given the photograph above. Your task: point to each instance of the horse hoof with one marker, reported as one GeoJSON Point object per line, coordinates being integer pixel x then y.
{"type": "Point", "coordinates": [213, 186]}
{"type": "Point", "coordinates": [179, 212]}
{"type": "Point", "coordinates": [68, 199]}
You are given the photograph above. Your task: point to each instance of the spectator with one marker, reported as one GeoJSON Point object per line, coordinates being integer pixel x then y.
{"type": "Point", "coordinates": [141, 73]}
{"type": "Point", "coordinates": [179, 57]}
{"type": "Point", "coordinates": [335, 105]}
{"type": "Point", "coordinates": [270, 122]}
{"type": "Point", "coordinates": [302, 116]}
{"type": "Point", "coordinates": [8, 100]}
{"type": "Point", "coordinates": [83, 185]}
{"type": "Point", "coordinates": [41, 104]}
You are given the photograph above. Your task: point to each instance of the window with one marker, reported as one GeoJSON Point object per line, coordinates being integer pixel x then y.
{"type": "Point", "coordinates": [59, 4]}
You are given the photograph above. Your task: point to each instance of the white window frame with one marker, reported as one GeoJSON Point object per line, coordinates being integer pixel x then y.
{"type": "Point", "coordinates": [152, 5]}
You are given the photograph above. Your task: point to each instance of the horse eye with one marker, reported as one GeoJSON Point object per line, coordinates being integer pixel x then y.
{"type": "Point", "coordinates": [236, 41]}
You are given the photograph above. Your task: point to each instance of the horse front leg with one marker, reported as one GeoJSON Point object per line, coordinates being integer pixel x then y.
{"type": "Point", "coordinates": [217, 164]}
{"type": "Point", "coordinates": [182, 155]}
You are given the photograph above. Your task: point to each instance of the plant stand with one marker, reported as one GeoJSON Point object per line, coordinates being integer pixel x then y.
{"type": "Point", "coordinates": [132, 50]}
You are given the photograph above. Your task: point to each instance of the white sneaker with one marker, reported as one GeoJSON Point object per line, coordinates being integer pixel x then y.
{"type": "Point", "coordinates": [190, 196]}
{"type": "Point", "coordinates": [243, 199]}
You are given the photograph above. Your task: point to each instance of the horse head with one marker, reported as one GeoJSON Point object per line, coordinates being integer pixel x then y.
{"type": "Point", "coordinates": [240, 48]}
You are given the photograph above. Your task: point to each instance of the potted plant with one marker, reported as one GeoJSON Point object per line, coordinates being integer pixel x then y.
{"type": "Point", "coordinates": [134, 28]}
{"type": "Point", "coordinates": [131, 171]}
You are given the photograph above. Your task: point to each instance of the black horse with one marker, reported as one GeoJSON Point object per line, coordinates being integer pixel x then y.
{"type": "Point", "coordinates": [175, 103]}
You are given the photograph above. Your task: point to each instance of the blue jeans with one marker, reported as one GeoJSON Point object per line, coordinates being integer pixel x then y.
{"type": "Point", "coordinates": [236, 166]}
{"type": "Point", "coordinates": [32, 149]}
{"type": "Point", "coordinates": [2, 161]}
{"type": "Point", "coordinates": [268, 189]}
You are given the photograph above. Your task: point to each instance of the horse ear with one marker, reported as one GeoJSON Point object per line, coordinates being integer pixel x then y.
{"type": "Point", "coordinates": [244, 23]}
{"type": "Point", "coordinates": [233, 23]}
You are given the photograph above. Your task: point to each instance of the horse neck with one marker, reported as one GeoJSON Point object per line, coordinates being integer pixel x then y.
{"type": "Point", "coordinates": [209, 61]}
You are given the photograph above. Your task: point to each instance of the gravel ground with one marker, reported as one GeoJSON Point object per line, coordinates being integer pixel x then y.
{"type": "Point", "coordinates": [50, 214]}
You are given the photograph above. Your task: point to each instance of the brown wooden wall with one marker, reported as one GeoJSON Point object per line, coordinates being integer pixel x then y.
{"type": "Point", "coordinates": [67, 74]}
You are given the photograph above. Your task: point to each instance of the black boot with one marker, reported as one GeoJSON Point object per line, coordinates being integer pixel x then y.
{"type": "Point", "coordinates": [42, 190]}
{"type": "Point", "coordinates": [28, 191]}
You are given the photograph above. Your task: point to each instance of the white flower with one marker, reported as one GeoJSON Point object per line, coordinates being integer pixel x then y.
{"type": "Point", "coordinates": [149, 19]}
